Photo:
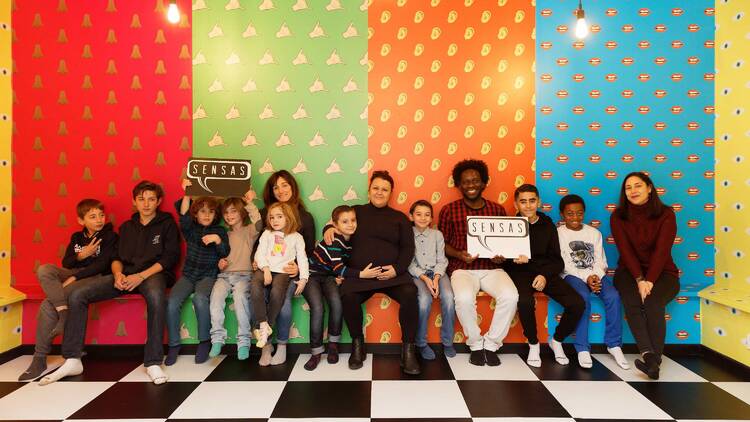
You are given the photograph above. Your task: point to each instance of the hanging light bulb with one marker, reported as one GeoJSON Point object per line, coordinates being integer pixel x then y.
{"type": "Point", "coordinates": [582, 28]}
{"type": "Point", "coordinates": [173, 13]}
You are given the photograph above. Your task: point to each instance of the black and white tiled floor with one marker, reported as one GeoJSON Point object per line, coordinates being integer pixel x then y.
{"type": "Point", "coordinates": [690, 388]}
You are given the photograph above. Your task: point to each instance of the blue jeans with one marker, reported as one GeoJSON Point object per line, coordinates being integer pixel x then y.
{"type": "Point", "coordinates": [612, 313]}
{"type": "Point", "coordinates": [447, 308]}
{"type": "Point", "coordinates": [318, 287]}
{"type": "Point", "coordinates": [238, 283]}
{"type": "Point", "coordinates": [284, 320]}
{"type": "Point", "coordinates": [180, 291]}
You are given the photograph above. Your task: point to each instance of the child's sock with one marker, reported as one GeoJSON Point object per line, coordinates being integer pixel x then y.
{"type": "Point", "coordinates": [557, 347]}
{"type": "Point", "coordinates": [35, 370]}
{"type": "Point", "coordinates": [620, 358]}
{"type": "Point", "coordinates": [265, 355]}
{"type": "Point", "coordinates": [280, 356]}
{"type": "Point", "coordinates": [243, 352]}
{"type": "Point", "coordinates": [215, 349]}
{"type": "Point", "coordinates": [71, 367]}
{"type": "Point", "coordinates": [584, 359]}
{"type": "Point", "coordinates": [449, 351]}
{"type": "Point", "coordinates": [201, 354]}
{"type": "Point", "coordinates": [62, 316]}
{"type": "Point", "coordinates": [534, 359]}
{"type": "Point", "coordinates": [156, 374]}
{"type": "Point", "coordinates": [172, 353]}
{"type": "Point", "coordinates": [426, 352]}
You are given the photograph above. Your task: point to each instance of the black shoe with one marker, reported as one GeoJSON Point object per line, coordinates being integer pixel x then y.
{"type": "Point", "coordinates": [311, 364]}
{"type": "Point", "coordinates": [477, 358]}
{"type": "Point", "coordinates": [649, 365]}
{"type": "Point", "coordinates": [357, 358]}
{"type": "Point", "coordinates": [409, 362]}
{"type": "Point", "coordinates": [491, 358]}
{"type": "Point", "coordinates": [332, 354]}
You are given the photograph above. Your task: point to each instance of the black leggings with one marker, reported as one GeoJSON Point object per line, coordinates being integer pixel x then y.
{"type": "Point", "coordinates": [646, 318]}
{"type": "Point", "coordinates": [278, 287]}
{"type": "Point", "coordinates": [558, 290]}
{"type": "Point", "coordinates": [408, 313]}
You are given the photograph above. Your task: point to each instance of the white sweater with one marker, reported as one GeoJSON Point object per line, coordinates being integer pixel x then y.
{"type": "Point", "coordinates": [276, 249]}
{"type": "Point", "coordinates": [582, 252]}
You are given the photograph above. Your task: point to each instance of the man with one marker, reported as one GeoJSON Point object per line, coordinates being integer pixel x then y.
{"type": "Point", "coordinates": [148, 250]}
{"type": "Point", "coordinates": [470, 274]}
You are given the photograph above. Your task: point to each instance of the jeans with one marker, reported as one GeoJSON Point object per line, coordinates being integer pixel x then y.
{"type": "Point", "coordinates": [153, 291]}
{"type": "Point", "coordinates": [316, 288]}
{"type": "Point", "coordinates": [408, 313]}
{"type": "Point", "coordinates": [180, 291]}
{"type": "Point", "coordinates": [447, 309]}
{"type": "Point", "coordinates": [239, 284]}
{"type": "Point", "coordinates": [284, 320]}
{"type": "Point", "coordinates": [278, 287]}
{"type": "Point", "coordinates": [646, 318]}
{"type": "Point", "coordinates": [47, 316]}
{"type": "Point", "coordinates": [51, 278]}
{"type": "Point", "coordinates": [496, 283]}
{"type": "Point", "coordinates": [612, 313]}
{"type": "Point", "coordinates": [558, 290]}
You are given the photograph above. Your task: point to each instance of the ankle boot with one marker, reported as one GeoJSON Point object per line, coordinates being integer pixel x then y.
{"type": "Point", "coordinates": [357, 358]}
{"type": "Point", "coordinates": [409, 362]}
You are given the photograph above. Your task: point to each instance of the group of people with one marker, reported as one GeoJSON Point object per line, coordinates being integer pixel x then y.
{"type": "Point", "coordinates": [265, 257]}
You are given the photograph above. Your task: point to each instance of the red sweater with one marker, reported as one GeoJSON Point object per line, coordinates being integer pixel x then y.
{"type": "Point", "coordinates": [645, 245]}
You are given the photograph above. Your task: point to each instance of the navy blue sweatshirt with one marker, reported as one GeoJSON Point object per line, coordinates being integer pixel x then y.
{"type": "Point", "coordinates": [141, 246]}
{"type": "Point", "coordinates": [99, 262]}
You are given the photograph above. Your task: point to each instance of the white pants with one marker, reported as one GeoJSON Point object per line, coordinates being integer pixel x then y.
{"type": "Point", "coordinates": [496, 283]}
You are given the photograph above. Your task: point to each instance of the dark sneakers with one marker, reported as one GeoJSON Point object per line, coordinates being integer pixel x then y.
{"type": "Point", "coordinates": [311, 364]}
{"type": "Point", "coordinates": [477, 358]}
{"type": "Point", "coordinates": [491, 358]}
{"type": "Point", "coordinates": [649, 365]}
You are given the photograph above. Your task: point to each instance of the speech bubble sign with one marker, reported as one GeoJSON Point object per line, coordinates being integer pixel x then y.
{"type": "Point", "coordinates": [203, 170]}
{"type": "Point", "coordinates": [512, 234]}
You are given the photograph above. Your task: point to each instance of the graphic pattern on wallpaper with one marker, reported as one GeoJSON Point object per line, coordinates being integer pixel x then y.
{"type": "Point", "coordinates": [448, 81]}
{"type": "Point", "coordinates": [102, 100]}
{"type": "Point", "coordinates": [637, 94]}
{"type": "Point", "coordinates": [284, 84]}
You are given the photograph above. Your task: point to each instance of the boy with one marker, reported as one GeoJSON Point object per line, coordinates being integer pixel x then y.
{"type": "Point", "coordinates": [541, 272]}
{"type": "Point", "coordinates": [148, 250]}
{"type": "Point", "coordinates": [428, 268]}
{"type": "Point", "coordinates": [88, 255]}
{"type": "Point", "coordinates": [585, 270]}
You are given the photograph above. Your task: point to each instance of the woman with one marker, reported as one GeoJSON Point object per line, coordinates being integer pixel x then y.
{"type": "Point", "coordinates": [646, 278]}
{"type": "Point", "coordinates": [282, 187]}
{"type": "Point", "coordinates": [382, 249]}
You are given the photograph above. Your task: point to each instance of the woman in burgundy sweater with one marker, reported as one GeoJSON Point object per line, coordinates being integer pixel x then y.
{"type": "Point", "coordinates": [382, 249]}
{"type": "Point", "coordinates": [646, 278]}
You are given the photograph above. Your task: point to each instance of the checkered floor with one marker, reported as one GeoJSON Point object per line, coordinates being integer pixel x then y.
{"type": "Point", "coordinates": [690, 388]}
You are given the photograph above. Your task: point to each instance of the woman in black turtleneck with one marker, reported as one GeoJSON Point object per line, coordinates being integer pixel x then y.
{"type": "Point", "coordinates": [382, 248]}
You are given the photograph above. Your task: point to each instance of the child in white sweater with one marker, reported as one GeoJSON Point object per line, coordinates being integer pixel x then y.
{"type": "Point", "coordinates": [279, 244]}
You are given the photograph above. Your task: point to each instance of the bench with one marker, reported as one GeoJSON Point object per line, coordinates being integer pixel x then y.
{"type": "Point", "coordinates": [725, 313]}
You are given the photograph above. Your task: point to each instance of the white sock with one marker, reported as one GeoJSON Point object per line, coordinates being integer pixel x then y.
{"type": "Point", "coordinates": [559, 352]}
{"type": "Point", "coordinates": [280, 356]}
{"type": "Point", "coordinates": [156, 374]}
{"type": "Point", "coordinates": [620, 358]}
{"type": "Point", "coordinates": [71, 367]}
{"type": "Point", "coordinates": [534, 359]}
{"type": "Point", "coordinates": [584, 359]}
{"type": "Point", "coordinates": [265, 355]}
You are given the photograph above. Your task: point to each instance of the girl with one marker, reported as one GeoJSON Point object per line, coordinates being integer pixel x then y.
{"type": "Point", "coordinates": [207, 242]}
{"type": "Point", "coordinates": [646, 277]}
{"type": "Point", "coordinates": [279, 244]}
{"type": "Point", "coordinates": [240, 216]}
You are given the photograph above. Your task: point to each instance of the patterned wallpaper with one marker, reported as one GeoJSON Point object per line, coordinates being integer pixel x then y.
{"type": "Point", "coordinates": [450, 81]}
{"type": "Point", "coordinates": [285, 85]}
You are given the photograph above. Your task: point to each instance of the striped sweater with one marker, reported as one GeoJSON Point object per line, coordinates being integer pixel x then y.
{"type": "Point", "coordinates": [331, 260]}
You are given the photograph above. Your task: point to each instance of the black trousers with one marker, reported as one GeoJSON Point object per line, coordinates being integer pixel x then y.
{"type": "Point", "coordinates": [278, 287]}
{"type": "Point", "coordinates": [558, 290]}
{"type": "Point", "coordinates": [646, 318]}
{"type": "Point", "coordinates": [408, 313]}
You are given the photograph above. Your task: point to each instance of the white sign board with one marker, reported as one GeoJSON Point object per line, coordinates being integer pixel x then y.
{"type": "Point", "coordinates": [504, 236]}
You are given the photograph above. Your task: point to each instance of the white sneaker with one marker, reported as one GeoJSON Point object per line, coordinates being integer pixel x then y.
{"type": "Point", "coordinates": [557, 348]}
{"type": "Point", "coordinates": [534, 359]}
{"type": "Point", "coordinates": [620, 358]}
{"type": "Point", "coordinates": [584, 360]}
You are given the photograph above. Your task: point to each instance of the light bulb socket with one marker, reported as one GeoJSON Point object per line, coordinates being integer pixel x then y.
{"type": "Point", "coordinates": [580, 14]}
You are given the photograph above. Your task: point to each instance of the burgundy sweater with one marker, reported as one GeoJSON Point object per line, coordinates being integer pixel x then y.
{"type": "Point", "coordinates": [645, 245]}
